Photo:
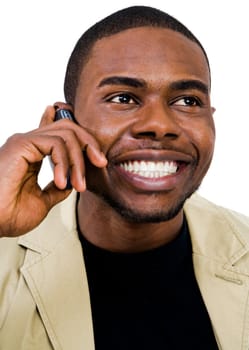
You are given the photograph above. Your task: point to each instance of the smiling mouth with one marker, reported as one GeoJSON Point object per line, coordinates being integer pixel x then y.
{"type": "Point", "coordinates": [151, 169]}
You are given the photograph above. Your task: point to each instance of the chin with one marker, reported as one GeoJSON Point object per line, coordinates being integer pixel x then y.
{"type": "Point", "coordinates": [155, 215]}
{"type": "Point", "coordinates": [134, 216]}
{"type": "Point", "coordinates": [150, 213]}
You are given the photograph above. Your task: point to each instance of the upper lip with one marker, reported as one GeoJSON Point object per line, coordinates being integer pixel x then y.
{"type": "Point", "coordinates": [161, 155]}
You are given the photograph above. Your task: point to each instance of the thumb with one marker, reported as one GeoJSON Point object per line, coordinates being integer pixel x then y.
{"type": "Point", "coordinates": [52, 195]}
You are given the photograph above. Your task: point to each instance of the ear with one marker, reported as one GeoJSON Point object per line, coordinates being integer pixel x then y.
{"type": "Point", "coordinates": [63, 105]}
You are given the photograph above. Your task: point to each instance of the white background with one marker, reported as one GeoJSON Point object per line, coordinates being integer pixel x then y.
{"type": "Point", "coordinates": [37, 37]}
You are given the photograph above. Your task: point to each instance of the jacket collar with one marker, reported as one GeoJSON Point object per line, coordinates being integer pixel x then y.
{"type": "Point", "coordinates": [218, 233]}
{"type": "Point", "coordinates": [55, 274]}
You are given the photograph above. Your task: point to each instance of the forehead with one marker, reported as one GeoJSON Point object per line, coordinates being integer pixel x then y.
{"type": "Point", "coordinates": [149, 53]}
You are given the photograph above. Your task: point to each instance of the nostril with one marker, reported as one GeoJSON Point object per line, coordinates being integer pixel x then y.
{"type": "Point", "coordinates": [149, 134]}
{"type": "Point", "coordinates": [171, 135]}
{"type": "Point", "coordinates": [154, 135]}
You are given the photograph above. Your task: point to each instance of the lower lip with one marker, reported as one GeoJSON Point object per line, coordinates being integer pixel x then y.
{"type": "Point", "coordinates": [145, 184]}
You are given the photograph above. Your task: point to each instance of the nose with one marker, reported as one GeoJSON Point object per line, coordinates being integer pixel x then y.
{"type": "Point", "coordinates": [156, 121]}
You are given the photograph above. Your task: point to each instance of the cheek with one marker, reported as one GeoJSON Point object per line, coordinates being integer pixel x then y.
{"type": "Point", "coordinates": [94, 121]}
{"type": "Point", "coordinates": [106, 129]}
{"type": "Point", "coordinates": [107, 134]}
{"type": "Point", "coordinates": [204, 140]}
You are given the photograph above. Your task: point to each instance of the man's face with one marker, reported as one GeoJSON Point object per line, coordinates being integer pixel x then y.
{"type": "Point", "coordinates": [144, 95]}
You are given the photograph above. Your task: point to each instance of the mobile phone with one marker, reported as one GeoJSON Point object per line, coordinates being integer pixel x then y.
{"type": "Point", "coordinates": [62, 113]}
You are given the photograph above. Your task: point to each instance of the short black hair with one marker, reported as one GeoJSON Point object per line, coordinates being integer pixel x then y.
{"type": "Point", "coordinates": [131, 17]}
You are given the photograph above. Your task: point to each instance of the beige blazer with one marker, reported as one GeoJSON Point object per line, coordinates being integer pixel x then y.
{"type": "Point", "coordinates": [44, 298]}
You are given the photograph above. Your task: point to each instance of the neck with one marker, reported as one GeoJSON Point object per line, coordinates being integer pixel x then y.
{"type": "Point", "coordinates": [104, 227]}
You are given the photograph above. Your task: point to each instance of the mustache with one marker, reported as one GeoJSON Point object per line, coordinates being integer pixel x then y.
{"type": "Point", "coordinates": [149, 144]}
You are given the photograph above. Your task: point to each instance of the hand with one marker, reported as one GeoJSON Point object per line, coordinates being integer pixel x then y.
{"type": "Point", "coordinates": [23, 203]}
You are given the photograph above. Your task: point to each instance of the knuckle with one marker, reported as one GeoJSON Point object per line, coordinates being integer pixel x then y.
{"type": "Point", "coordinates": [16, 141]}
{"type": "Point", "coordinates": [15, 138]}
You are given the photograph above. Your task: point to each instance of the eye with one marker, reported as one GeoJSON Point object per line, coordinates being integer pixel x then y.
{"type": "Point", "coordinates": [122, 99]}
{"type": "Point", "coordinates": [188, 101]}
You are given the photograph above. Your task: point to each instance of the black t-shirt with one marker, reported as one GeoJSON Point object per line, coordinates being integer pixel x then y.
{"type": "Point", "coordinates": [147, 300]}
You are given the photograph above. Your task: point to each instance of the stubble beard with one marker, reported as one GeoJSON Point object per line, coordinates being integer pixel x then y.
{"type": "Point", "coordinates": [133, 215]}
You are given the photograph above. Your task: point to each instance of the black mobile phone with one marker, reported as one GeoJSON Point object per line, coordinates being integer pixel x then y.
{"type": "Point", "coordinates": [65, 114]}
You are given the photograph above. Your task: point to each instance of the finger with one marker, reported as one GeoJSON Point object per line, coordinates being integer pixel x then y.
{"type": "Point", "coordinates": [70, 132]}
{"type": "Point", "coordinates": [95, 155]}
{"type": "Point", "coordinates": [76, 139]}
{"type": "Point", "coordinates": [76, 161]}
{"type": "Point", "coordinates": [33, 148]}
{"type": "Point", "coordinates": [60, 142]}
{"type": "Point", "coordinates": [68, 161]}
{"type": "Point", "coordinates": [48, 116]}
{"type": "Point", "coordinates": [90, 146]}
{"type": "Point", "coordinates": [87, 140]}
{"type": "Point", "coordinates": [52, 195]}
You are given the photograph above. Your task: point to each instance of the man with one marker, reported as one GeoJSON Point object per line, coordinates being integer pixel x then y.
{"type": "Point", "coordinates": [127, 260]}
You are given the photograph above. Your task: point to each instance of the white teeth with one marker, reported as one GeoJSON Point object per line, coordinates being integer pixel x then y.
{"type": "Point", "coordinates": [150, 169]}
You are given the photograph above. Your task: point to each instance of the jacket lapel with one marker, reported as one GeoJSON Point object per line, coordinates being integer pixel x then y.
{"type": "Point", "coordinates": [220, 257]}
{"type": "Point", "coordinates": [54, 272]}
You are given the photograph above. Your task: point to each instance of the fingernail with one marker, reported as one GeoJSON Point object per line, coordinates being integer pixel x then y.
{"type": "Point", "coordinates": [103, 157]}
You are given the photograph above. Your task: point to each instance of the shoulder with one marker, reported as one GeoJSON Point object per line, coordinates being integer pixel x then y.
{"type": "Point", "coordinates": [215, 228]}
{"type": "Point", "coordinates": [196, 205]}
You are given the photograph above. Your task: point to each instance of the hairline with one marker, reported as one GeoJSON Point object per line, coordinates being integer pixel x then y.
{"type": "Point", "coordinates": [83, 53]}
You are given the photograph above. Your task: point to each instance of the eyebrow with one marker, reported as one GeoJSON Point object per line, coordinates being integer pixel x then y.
{"type": "Point", "coordinates": [190, 84]}
{"type": "Point", "coordinates": [140, 83]}
{"type": "Point", "coordinates": [120, 80]}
